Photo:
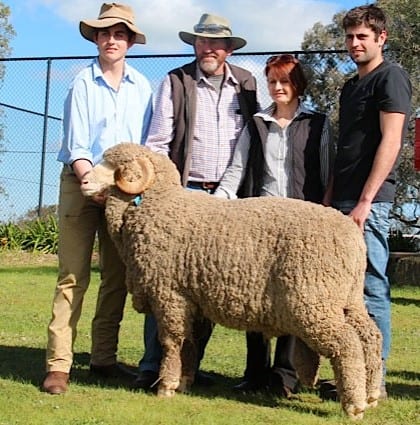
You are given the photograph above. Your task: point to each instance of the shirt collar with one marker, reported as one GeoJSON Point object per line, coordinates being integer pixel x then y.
{"type": "Point", "coordinates": [97, 71]}
{"type": "Point", "coordinates": [229, 77]}
{"type": "Point", "coordinates": [267, 114]}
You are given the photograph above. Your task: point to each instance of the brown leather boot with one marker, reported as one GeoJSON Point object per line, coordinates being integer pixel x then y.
{"type": "Point", "coordinates": [56, 382]}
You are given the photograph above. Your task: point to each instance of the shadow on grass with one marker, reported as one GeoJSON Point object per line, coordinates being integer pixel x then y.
{"type": "Point", "coordinates": [402, 390]}
{"type": "Point", "coordinates": [405, 301]}
{"type": "Point", "coordinates": [26, 364]}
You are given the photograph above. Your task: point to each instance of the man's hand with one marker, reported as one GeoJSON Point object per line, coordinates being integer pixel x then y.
{"type": "Point", "coordinates": [100, 198]}
{"type": "Point", "coordinates": [360, 213]}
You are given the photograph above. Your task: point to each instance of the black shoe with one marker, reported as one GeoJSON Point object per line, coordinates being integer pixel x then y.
{"type": "Point", "coordinates": [115, 370]}
{"type": "Point", "coordinates": [328, 390]}
{"type": "Point", "coordinates": [203, 379]}
{"type": "Point", "coordinates": [278, 387]}
{"type": "Point", "coordinates": [248, 386]}
{"type": "Point", "coordinates": [146, 380]}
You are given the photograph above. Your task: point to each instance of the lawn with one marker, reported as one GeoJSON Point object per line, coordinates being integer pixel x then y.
{"type": "Point", "coordinates": [26, 287]}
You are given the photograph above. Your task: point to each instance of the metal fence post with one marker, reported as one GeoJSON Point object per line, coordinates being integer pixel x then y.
{"type": "Point", "coordinates": [44, 137]}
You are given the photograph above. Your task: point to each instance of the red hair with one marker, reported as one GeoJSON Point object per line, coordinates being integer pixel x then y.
{"type": "Point", "coordinates": [289, 68]}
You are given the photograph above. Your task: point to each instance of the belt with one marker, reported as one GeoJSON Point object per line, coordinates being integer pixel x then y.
{"type": "Point", "coordinates": [209, 186]}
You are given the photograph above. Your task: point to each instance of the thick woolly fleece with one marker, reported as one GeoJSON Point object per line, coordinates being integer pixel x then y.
{"type": "Point", "coordinates": [271, 265]}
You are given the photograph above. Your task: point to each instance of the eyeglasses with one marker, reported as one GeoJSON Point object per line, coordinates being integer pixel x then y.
{"type": "Point", "coordinates": [286, 58]}
{"type": "Point", "coordinates": [212, 29]}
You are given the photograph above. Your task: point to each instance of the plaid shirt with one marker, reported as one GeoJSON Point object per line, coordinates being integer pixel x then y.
{"type": "Point", "coordinates": [217, 126]}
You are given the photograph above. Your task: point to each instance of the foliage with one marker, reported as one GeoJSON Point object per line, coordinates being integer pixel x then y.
{"type": "Point", "coordinates": [404, 36]}
{"type": "Point", "coordinates": [6, 34]}
{"type": "Point", "coordinates": [404, 48]}
{"type": "Point", "coordinates": [326, 82]}
{"type": "Point", "coordinates": [11, 236]}
{"type": "Point", "coordinates": [33, 214]}
{"type": "Point", "coordinates": [40, 235]}
{"type": "Point", "coordinates": [326, 72]}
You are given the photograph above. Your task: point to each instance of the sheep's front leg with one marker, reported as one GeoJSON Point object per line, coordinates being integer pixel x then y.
{"type": "Point", "coordinates": [175, 334]}
{"type": "Point", "coordinates": [189, 365]}
{"type": "Point", "coordinates": [170, 368]}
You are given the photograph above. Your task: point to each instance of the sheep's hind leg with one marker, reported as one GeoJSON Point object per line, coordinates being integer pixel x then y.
{"type": "Point", "coordinates": [339, 342]}
{"type": "Point", "coordinates": [371, 340]}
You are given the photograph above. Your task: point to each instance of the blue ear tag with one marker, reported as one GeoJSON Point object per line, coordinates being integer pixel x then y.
{"type": "Point", "coordinates": [137, 200]}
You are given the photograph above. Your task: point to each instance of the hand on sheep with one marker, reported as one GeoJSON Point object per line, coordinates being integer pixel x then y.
{"type": "Point", "coordinates": [100, 198]}
{"type": "Point", "coordinates": [224, 193]}
{"type": "Point", "coordinates": [360, 213]}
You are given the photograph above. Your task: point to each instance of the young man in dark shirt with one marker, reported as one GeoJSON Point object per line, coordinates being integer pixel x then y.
{"type": "Point", "coordinates": [374, 110]}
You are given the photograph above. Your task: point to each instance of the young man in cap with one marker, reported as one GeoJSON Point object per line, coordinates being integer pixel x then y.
{"type": "Point", "coordinates": [374, 110]}
{"type": "Point", "coordinates": [201, 109]}
{"type": "Point", "coordinates": [108, 102]}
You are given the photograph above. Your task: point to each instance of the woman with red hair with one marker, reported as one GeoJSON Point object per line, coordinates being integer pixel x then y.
{"type": "Point", "coordinates": [286, 150]}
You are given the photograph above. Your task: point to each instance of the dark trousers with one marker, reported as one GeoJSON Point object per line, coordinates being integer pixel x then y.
{"type": "Point", "coordinates": [258, 360]}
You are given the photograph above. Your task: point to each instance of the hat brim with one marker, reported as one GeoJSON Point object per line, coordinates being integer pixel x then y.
{"type": "Point", "coordinates": [189, 38]}
{"type": "Point", "coordinates": [89, 27]}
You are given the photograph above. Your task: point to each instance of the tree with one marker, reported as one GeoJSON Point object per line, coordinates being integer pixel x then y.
{"type": "Point", "coordinates": [6, 34]}
{"type": "Point", "coordinates": [404, 48]}
{"type": "Point", "coordinates": [328, 73]}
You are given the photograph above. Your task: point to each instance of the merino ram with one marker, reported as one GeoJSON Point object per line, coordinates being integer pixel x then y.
{"type": "Point", "coordinates": [270, 265]}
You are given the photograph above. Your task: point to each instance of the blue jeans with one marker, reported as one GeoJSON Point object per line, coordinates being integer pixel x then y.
{"type": "Point", "coordinates": [377, 291]}
{"type": "Point", "coordinates": [152, 348]}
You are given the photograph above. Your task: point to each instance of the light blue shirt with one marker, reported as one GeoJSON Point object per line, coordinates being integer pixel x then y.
{"type": "Point", "coordinates": [97, 117]}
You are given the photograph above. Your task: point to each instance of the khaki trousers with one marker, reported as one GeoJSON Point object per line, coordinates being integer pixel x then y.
{"type": "Point", "coordinates": [79, 221]}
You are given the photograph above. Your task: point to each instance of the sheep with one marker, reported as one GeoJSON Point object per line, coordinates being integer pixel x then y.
{"type": "Point", "coordinates": [270, 265]}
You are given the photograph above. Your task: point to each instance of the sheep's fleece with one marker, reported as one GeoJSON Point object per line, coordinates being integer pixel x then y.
{"type": "Point", "coordinates": [271, 265]}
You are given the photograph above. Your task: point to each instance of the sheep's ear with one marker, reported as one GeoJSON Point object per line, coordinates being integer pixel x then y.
{"type": "Point", "coordinates": [135, 178]}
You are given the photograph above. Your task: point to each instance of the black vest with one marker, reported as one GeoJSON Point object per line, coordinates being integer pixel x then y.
{"type": "Point", "coordinates": [305, 133]}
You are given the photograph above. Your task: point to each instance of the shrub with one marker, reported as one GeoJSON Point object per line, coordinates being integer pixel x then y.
{"type": "Point", "coordinates": [40, 234]}
{"type": "Point", "coordinates": [11, 236]}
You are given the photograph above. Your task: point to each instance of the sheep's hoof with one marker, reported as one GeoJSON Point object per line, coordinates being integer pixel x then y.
{"type": "Point", "coordinates": [165, 393]}
{"type": "Point", "coordinates": [372, 399]}
{"type": "Point", "coordinates": [372, 402]}
{"type": "Point", "coordinates": [354, 413]}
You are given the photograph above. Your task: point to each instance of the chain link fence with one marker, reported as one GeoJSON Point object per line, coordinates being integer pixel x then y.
{"type": "Point", "coordinates": [31, 106]}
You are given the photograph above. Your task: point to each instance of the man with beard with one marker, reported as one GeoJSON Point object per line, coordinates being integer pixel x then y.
{"type": "Point", "coordinates": [201, 109]}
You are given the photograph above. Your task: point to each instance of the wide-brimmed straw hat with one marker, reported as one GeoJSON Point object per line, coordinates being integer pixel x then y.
{"type": "Point", "coordinates": [109, 15]}
{"type": "Point", "coordinates": [212, 26]}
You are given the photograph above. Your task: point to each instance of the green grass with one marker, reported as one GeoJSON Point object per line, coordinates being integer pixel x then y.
{"type": "Point", "coordinates": [26, 288]}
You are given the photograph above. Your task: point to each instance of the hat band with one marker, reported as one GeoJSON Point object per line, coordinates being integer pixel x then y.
{"type": "Point", "coordinates": [212, 29]}
{"type": "Point", "coordinates": [117, 17]}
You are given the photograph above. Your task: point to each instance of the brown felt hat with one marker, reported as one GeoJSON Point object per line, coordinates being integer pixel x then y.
{"type": "Point", "coordinates": [109, 15]}
{"type": "Point", "coordinates": [212, 26]}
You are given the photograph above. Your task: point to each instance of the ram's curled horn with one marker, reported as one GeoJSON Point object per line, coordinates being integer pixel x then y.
{"type": "Point", "coordinates": [136, 177]}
